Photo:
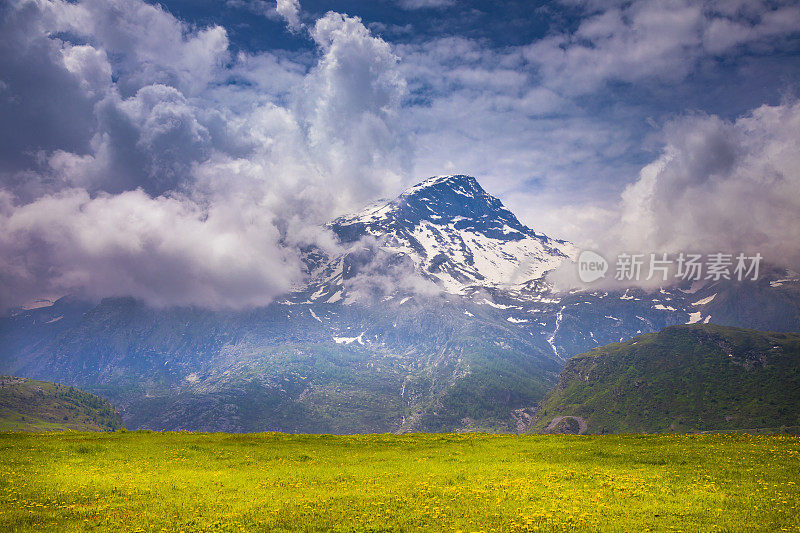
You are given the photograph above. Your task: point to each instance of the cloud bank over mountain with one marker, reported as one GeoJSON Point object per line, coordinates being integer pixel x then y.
{"type": "Point", "coordinates": [729, 186]}
{"type": "Point", "coordinates": [142, 154]}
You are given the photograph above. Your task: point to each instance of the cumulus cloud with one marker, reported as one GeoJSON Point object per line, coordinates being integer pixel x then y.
{"type": "Point", "coordinates": [165, 250]}
{"type": "Point", "coordinates": [148, 44]}
{"type": "Point", "coordinates": [149, 175]}
{"type": "Point", "coordinates": [353, 98]}
{"type": "Point", "coordinates": [718, 186]}
{"type": "Point", "coordinates": [290, 11]}
{"type": "Point", "coordinates": [721, 186]}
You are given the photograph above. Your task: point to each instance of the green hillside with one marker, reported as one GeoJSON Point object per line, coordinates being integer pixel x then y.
{"type": "Point", "coordinates": [29, 405]}
{"type": "Point", "coordinates": [701, 377]}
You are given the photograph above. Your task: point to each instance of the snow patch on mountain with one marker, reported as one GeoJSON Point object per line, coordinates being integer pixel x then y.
{"type": "Point", "coordinates": [694, 318]}
{"type": "Point", "coordinates": [706, 300]}
{"type": "Point", "coordinates": [350, 340]}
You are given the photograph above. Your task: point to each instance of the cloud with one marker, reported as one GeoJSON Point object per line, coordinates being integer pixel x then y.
{"type": "Point", "coordinates": [479, 111]}
{"type": "Point", "coordinates": [351, 106]}
{"type": "Point", "coordinates": [290, 11]}
{"type": "Point", "coordinates": [721, 186]}
{"type": "Point", "coordinates": [148, 44]}
{"type": "Point", "coordinates": [165, 250]}
{"type": "Point", "coordinates": [652, 40]}
{"type": "Point", "coordinates": [371, 274]}
{"type": "Point", "coordinates": [153, 141]}
{"type": "Point", "coordinates": [43, 105]}
{"type": "Point", "coordinates": [144, 171]}
{"type": "Point", "coordinates": [425, 4]}
{"type": "Point", "coordinates": [724, 33]}
{"type": "Point", "coordinates": [559, 127]}
{"type": "Point", "coordinates": [718, 186]}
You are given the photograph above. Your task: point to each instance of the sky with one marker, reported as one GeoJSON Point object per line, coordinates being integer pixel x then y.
{"type": "Point", "coordinates": [183, 152]}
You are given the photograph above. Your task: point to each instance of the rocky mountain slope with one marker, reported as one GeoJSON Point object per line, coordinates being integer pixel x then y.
{"type": "Point", "coordinates": [683, 378]}
{"type": "Point", "coordinates": [436, 315]}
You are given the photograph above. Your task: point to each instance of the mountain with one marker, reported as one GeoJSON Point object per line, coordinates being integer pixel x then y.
{"type": "Point", "coordinates": [444, 235]}
{"type": "Point", "coordinates": [683, 378]}
{"type": "Point", "coordinates": [434, 314]}
{"type": "Point", "coordinates": [28, 405]}
{"type": "Point", "coordinates": [459, 235]}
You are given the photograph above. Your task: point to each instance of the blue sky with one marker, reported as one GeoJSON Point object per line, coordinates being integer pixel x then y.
{"type": "Point", "coordinates": [140, 141]}
{"type": "Point", "coordinates": [503, 23]}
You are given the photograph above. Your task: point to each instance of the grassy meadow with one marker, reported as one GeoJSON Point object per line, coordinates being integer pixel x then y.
{"type": "Point", "coordinates": [142, 481]}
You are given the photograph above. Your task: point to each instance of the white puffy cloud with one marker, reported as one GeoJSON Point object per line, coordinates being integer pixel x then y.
{"type": "Point", "coordinates": [290, 11]}
{"type": "Point", "coordinates": [149, 45]}
{"type": "Point", "coordinates": [351, 107]}
{"type": "Point", "coordinates": [90, 66]}
{"type": "Point", "coordinates": [718, 186]}
{"type": "Point", "coordinates": [150, 176]}
{"type": "Point", "coordinates": [721, 186]}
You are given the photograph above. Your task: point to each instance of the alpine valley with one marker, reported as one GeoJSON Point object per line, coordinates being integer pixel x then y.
{"type": "Point", "coordinates": [436, 316]}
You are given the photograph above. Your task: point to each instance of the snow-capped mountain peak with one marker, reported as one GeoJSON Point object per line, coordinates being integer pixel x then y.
{"type": "Point", "coordinates": [457, 234]}
{"type": "Point", "coordinates": [440, 200]}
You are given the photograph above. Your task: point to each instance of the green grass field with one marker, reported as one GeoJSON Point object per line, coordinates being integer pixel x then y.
{"type": "Point", "coordinates": [141, 481]}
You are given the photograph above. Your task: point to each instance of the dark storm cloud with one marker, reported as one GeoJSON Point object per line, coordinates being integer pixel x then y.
{"type": "Point", "coordinates": [42, 104]}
